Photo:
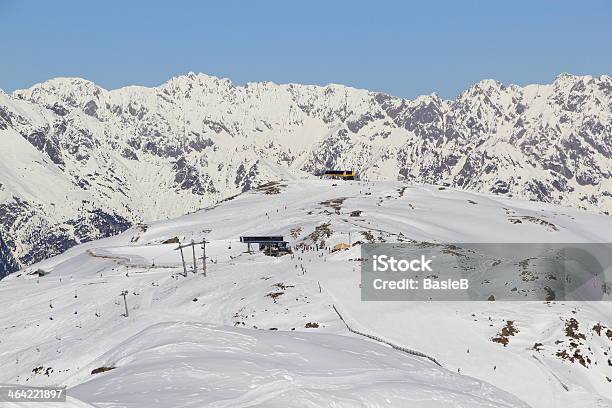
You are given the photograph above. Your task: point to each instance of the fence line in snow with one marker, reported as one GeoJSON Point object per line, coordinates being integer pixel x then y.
{"type": "Point", "coordinates": [381, 340]}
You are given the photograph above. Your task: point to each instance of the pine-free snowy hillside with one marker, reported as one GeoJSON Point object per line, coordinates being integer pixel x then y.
{"type": "Point", "coordinates": [80, 162]}
{"type": "Point", "coordinates": [262, 331]}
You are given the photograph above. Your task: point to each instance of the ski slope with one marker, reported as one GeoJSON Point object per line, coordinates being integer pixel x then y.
{"type": "Point", "coordinates": [262, 331]}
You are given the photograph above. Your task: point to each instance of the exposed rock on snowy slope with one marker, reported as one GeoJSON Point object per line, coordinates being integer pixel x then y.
{"type": "Point", "coordinates": [80, 162]}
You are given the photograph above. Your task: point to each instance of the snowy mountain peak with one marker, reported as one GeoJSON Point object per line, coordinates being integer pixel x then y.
{"type": "Point", "coordinates": [489, 85]}
{"type": "Point", "coordinates": [66, 89]}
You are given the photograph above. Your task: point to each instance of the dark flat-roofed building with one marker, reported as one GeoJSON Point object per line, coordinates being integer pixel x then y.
{"type": "Point", "coordinates": [273, 245]}
{"type": "Point", "coordinates": [340, 174]}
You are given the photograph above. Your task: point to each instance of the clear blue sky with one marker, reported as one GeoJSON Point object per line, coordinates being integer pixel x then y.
{"type": "Point", "coordinates": [403, 48]}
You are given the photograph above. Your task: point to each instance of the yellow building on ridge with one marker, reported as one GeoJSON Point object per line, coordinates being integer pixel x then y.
{"type": "Point", "coordinates": [340, 174]}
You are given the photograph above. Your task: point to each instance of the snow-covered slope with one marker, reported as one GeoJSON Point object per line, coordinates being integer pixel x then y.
{"type": "Point", "coordinates": [262, 331]}
{"type": "Point", "coordinates": [80, 162]}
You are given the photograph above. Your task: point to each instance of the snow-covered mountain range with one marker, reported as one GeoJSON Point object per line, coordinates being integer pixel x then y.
{"type": "Point", "coordinates": [79, 162]}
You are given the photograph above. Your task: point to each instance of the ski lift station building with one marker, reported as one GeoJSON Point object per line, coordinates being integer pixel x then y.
{"type": "Point", "coordinates": [276, 242]}
{"type": "Point", "coordinates": [340, 174]}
